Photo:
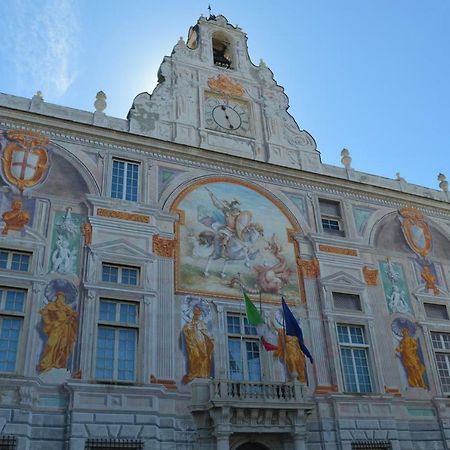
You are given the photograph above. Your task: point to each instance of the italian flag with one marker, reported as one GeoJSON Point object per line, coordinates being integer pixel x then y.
{"type": "Point", "coordinates": [254, 318]}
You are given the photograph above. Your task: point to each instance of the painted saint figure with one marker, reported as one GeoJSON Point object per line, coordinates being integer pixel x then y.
{"type": "Point", "coordinates": [60, 325]}
{"type": "Point", "coordinates": [408, 350]}
{"type": "Point", "coordinates": [199, 347]}
{"type": "Point", "coordinates": [288, 350]}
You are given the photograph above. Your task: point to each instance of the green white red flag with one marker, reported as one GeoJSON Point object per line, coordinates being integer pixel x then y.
{"type": "Point", "coordinates": [254, 318]}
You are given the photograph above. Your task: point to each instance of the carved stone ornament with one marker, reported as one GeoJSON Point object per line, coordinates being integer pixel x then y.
{"type": "Point", "coordinates": [123, 215]}
{"type": "Point", "coordinates": [86, 231]}
{"type": "Point", "coordinates": [430, 280]}
{"type": "Point", "coordinates": [16, 218]}
{"type": "Point", "coordinates": [338, 250]}
{"type": "Point", "coordinates": [393, 391]}
{"type": "Point", "coordinates": [325, 389]}
{"type": "Point", "coordinates": [310, 267]}
{"type": "Point", "coordinates": [370, 276]}
{"type": "Point", "coordinates": [163, 247]}
{"type": "Point", "coordinates": [168, 384]}
{"type": "Point", "coordinates": [225, 85]}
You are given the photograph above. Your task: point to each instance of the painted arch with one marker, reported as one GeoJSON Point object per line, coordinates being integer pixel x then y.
{"type": "Point", "coordinates": [231, 236]}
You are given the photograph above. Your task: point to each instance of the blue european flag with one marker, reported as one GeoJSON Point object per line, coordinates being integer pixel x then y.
{"type": "Point", "coordinates": [293, 329]}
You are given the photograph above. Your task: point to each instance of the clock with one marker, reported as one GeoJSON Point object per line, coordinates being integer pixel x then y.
{"type": "Point", "coordinates": [227, 115]}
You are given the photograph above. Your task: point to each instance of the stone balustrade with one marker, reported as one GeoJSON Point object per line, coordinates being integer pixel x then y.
{"type": "Point", "coordinates": [256, 391]}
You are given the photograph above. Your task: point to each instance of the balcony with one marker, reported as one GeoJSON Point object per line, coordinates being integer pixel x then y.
{"type": "Point", "coordinates": [225, 410]}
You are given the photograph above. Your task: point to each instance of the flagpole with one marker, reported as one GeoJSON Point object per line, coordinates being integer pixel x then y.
{"type": "Point", "coordinates": [241, 321]}
{"type": "Point", "coordinates": [284, 343]}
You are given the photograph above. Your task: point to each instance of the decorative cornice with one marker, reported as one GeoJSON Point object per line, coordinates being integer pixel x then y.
{"type": "Point", "coordinates": [163, 247]}
{"type": "Point", "coordinates": [370, 276]}
{"type": "Point", "coordinates": [224, 167]}
{"type": "Point", "coordinates": [122, 215]}
{"type": "Point", "coordinates": [338, 250]}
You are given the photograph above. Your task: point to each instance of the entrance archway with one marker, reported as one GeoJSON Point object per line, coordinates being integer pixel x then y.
{"type": "Point", "coordinates": [252, 446]}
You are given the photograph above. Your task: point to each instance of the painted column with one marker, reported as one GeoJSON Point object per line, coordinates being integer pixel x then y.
{"type": "Point", "coordinates": [299, 442]}
{"type": "Point", "coordinates": [32, 349]}
{"type": "Point", "coordinates": [165, 322]}
{"type": "Point", "coordinates": [88, 335]}
{"type": "Point", "coordinates": [146, 338]}
{"type": "Point", "coordinates": [318, 343]}
{"type": "Point", "coordinates": [223, 441]}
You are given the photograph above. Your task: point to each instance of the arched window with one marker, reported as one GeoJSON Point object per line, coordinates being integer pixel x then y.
{"type": "Point", "coordinates": [222, 50]}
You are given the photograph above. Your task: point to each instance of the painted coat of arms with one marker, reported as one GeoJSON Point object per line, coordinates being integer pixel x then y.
{"type": "Point", "coordinates": [232, 238]}
{"type": "Point", "coordinates": [416, 231]}
{"type": "Point", "coordinates": [25, 159]}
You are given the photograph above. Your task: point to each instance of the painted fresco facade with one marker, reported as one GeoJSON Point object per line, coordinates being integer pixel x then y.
{"type": "Point", "coordinates": [126, 245]}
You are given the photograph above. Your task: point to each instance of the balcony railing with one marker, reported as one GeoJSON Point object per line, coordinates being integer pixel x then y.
{"type": "Point", "coordinates": [259, 392]}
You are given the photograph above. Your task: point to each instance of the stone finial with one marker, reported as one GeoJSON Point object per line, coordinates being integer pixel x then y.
{"type": "Point", "coordinates": [37, 102]}
{"type": "Point", "coordinates": [100, 102]}
{"type": "Point", "coordinates": [399, 177]}
{"type": "Point", "coordinates": [346, 159]}
{"type": "Point", "coordinates": [443, 183]}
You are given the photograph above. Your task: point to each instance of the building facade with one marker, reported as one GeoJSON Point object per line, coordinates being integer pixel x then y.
{"type": "Point", "coordinates": [126, 245]}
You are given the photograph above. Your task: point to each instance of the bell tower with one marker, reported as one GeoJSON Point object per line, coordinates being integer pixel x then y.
{"type": "Point", "coordinates": [211, 95]}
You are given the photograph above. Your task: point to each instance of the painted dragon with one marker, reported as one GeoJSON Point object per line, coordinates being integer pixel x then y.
{"type": "Point", "coordinates": [269, 279]}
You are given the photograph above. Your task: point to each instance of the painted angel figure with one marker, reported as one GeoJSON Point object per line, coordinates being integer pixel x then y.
{"type": "Point", "coordinates": [397, 300]}
{"type": "Point", "coordinates": [63, 256]}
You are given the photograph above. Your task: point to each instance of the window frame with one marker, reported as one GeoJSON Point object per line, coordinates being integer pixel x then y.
{"type": "Point", "coordinates": [123, 195]}
{"type": "Point", "coordinates": [355, 346]}
{"type": "Point", "coordinates": [441, 351]}
{"type": "Point", "coordinates": [120, 268]}
{"type": "Point", "coordinates": [17, 315]}
{"type": "Point", "coordinates": [344, 292]}
{"type": "Point", "coordinates": [11, 253]}
{"type": "Point", "coordinates": [117, 326]}
{"type": "Point", "coordinates": [432, 303]}
{"type": "Point", "coordinates": [339, 219]}
{"type": "Point", "coordinates": [243, 338]}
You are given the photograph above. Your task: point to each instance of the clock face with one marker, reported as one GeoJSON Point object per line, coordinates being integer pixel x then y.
{"type": "Point", "coordinates": [227, 115]}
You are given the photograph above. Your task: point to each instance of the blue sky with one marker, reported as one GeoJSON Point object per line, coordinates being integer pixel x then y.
{"type": "Point", "coordinates": [371, 76]}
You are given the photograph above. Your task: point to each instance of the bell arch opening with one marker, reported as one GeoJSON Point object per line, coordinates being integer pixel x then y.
{"type": "Point", "coordinates": [222, 50]}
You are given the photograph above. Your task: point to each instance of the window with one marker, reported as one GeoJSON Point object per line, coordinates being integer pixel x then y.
{"type": "Point", "coordinates": [120, 274]}
{"type": "Point", "coordinates": [117, 341]}
{"type": "Point", "coordinates": [243, 349]}
{"type": "Point", "coordinates": [8, 442]}
{"type": "Point", "coordinates": [371, 445]}
{"type": "Point", "coordinates": [354, 358]}
{"type": "Point", "coordinates": [330, 214]}
{"type": "Point", "coordinates": [346, 301]}
{"type": "Point", "coordinates": [14, 260]}
{"type": "Point", "coordinates": [12, 308]}
{"type": "Point", "coordinates": [434, 311]}
{"type": "Point", "coordinates": [125, 175]}
{"type": "Point", "coordinates": [109, 444]}
{"type": "Point", "coordinates": [441, 345]}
